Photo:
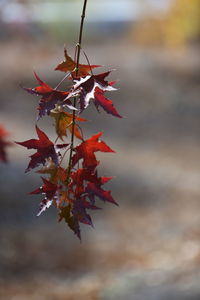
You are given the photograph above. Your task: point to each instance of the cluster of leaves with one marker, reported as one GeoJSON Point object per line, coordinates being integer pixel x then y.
{"type": "Point", "coordinates": [4, 143]}
{"type": "Point", "coordinates": [73, 189]}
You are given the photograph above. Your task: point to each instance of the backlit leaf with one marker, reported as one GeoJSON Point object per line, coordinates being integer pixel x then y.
{"type": "Point", "coordinates": [50, 97]}
{"type": "Point", "coordinates": [94, 87]}
{"type": "Point", "coordinates": [86, 151]}
{"type": "Point", "coordinates": [63, 121]}
{"type": "Point", "coordinates": [69, 65]}
{"type": "Point", "coordinates": [45, 149]}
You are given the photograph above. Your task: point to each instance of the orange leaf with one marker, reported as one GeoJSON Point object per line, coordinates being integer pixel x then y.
{"type": "Point", "coordinates": [69, 65]}
{"type": "Point", "coordinates": [63, 121]}
{"type": "Point", "coordinates": [56, 173]}
{"type": "Point", "coordinates": [64, 198]}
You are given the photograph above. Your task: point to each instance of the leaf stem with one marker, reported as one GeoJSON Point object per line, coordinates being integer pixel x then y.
{"type": "Point", "coordinates": [62, 80]}
{"type": "Point", "coordinates": [78, 49]}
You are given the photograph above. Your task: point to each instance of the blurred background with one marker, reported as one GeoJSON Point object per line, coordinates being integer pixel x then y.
{"type": "Point", "coordinates": [149, 247]}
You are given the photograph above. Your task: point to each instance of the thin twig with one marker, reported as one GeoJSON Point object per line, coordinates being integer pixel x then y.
{"type": "Point", "coordinates": [63, 156]}
{"type": "Point", "coordinates": [78, 49]}
{"type": "Point", "coordinates": [80, 130]}
{"type": "Point", "coordinates": [88, 62]}
{"type": "Point", "coordinates": [66, 75]}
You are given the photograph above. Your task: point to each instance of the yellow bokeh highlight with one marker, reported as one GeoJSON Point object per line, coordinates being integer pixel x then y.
{"type": "Point", "coordinates": [179, 26]}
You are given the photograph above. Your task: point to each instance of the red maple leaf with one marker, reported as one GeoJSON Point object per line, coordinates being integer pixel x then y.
{"type": "Point", "coordinates": [45, 149]}
{"type": "Point", "coordinates": [49, 189]}
{"type": "Point", "coordinates": [95, 190]}
{"type": "Point", "coordinates": [79, 211]}
{"type": "Point", "coordinates": [3, 143]}
{"type": "Point", "coordinates": [93, 87]}
{"type": "Point", "coordinates": [85, 182]}
{"type": "Point", "coordinates": [86, 151]}
{"type": "Point", "coordinates": [80, 177]}
{"type": "Point", "coordinates": [77, 181]}
{"type": "Point", "coordinates": [106, 104]}
{"type": "Point", "coordinates": [50, 97]}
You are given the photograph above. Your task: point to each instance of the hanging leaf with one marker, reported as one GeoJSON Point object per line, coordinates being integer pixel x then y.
{"type": "Point", "coordinates": [45, 149]}
{"type": "Point", "coordinates": [94, 87]}
{"type": "Point", "coordinates": [50, 97]}
{"type": "Point", "coordinates": [86, 151]}
{"type": "Point", "coordinates": [64, 121]}
{"type": "Point", "coordinates": [69, 65]}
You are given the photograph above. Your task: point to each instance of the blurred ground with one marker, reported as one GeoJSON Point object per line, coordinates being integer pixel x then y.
{"type": "Point", "coordinates": [149, 247]}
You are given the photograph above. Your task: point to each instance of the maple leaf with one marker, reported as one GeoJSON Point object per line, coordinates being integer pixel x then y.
{"type": "Point", "coordinates": [93, 187]}
{"type": "Point", "coordinates": [95, 190]}
{"type": "Point", "coordinates": [93, 87]}
{"type": "Point", "coordinates": [3, 143]}
{"type": "Point", "coordinates": [57, 173]}
{"type": "Point", "coordinates": [48, 188]}
{"type": "Point", "coordinates": [78, 179]}
{"type": "Point", "coordinates": [70, 219]}
{"type": "Point", "coordinates": [45, 149]}
{"type": "Point", "coordinates": [63, 121]}
{"type": "Point", "coordinates": [79, 211]}
{"type": "Point", "coordinates": [50, 97]}
{"type": "Point", "coordinates": [69, 65]}
{"type": "Point", "coordinates": [44, 204]}
{"type": "Point", "coordinates": [86, 151]}
{"type": "Point", "coordinates": [81, 175]}
{"type": "Point", "coordinates": [76, 212]}
{"type": "Point", "coordinates": [88, 205]}
{"type": "Point", "coordinates": [106, 104]}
